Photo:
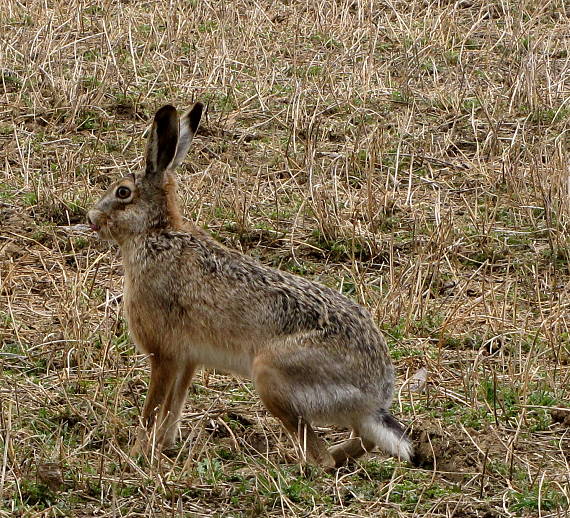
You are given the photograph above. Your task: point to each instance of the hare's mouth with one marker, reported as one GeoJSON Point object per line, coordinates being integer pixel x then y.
{"type": "Point", "coordinates": [92, 218]}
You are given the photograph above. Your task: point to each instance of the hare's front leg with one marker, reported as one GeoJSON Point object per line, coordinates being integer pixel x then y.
{"type": "Point", "coordinates": [164, 373]}
{"type": "Point", "coordinates": [174, 404]}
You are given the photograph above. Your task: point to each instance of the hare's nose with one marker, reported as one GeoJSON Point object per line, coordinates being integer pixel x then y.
{"type": "Point", "coordinates": [91, 221]}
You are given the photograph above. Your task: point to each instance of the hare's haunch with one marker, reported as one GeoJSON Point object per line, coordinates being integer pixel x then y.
{"type": "Point", "coordinates": [314, 355]}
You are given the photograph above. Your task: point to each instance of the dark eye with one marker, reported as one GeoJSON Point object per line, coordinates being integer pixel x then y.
{"type": "Point", "coordinates": [123, 192]}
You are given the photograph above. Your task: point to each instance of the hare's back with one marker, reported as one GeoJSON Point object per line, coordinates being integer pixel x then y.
{"type": "Point", "coordinates": [290, 305]}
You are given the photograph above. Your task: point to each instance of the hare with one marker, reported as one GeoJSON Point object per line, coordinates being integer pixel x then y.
{"type": "Point", "coordinates": [314, 355]}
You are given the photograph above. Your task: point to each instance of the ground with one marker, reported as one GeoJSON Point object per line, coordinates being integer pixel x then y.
{"type": "Point", "coordinates": [412, 154]}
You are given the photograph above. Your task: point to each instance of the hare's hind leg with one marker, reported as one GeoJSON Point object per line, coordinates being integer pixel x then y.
{"type": "Point", "coordinates": [380, 429]}
{"type": "Point", "coordinates": [352, 448]}
{"type": "Point", "coordinates": [274, 390]}
{"type": "Point", "coordinates": [174, 404]}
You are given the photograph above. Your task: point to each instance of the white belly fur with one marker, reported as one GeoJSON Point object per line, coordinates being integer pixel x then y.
{"type": "Point", "coordinates": [223, 359]}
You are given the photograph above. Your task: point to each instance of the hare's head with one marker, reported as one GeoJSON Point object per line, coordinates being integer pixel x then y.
{"type": "Point", "coordinates": [141, 203]}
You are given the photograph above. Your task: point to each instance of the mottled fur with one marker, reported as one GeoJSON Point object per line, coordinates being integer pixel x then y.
{"type": "Point", "coordinates": [314, 355]}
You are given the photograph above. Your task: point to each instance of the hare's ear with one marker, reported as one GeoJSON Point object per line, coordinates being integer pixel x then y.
{"type": "Point", "coordinates": [188, 126]}
{"type": "Point", "coordinates": [162, 141]}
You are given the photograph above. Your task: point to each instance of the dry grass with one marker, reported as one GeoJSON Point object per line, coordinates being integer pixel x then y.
{"type": "Point", "coordinates": [412, 154]}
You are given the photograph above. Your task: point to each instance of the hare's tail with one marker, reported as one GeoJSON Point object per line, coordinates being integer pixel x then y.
{"type": "Point", "coordinates": [387, 433]}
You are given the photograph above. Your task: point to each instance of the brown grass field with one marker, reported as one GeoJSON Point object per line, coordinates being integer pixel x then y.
{"type": "Point", "coordinates": [412, 154]}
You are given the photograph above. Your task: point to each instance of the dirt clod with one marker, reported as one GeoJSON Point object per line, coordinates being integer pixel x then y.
{"type": "Point", "coordinates": [437, 449]}
{"type": "Point", "coordinates": [561, 415]}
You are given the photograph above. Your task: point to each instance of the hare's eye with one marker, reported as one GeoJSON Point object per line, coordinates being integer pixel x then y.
{"type": "Point", "coordinates": [123, 192]}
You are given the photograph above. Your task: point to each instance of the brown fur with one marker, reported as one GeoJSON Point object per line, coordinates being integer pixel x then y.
{"type": "Point", "coordinates": [174, 216]}
{"type": "Point", "coordinates": [313, 354]}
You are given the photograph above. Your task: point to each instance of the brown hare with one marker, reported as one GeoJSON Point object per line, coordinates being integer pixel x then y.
{"type": "Point", "coordinates": [314, 355]}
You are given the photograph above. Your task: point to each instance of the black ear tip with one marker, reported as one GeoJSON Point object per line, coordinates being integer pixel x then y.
{"type": "Point", "coordinates": [198, 107]}
{"type": "Point", "coordinates": [166, 111]}
{"type": "Point", "coordinates": [194, 115]}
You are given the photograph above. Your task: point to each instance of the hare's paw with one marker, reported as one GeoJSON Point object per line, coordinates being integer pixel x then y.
{"type": "Point", "coordinates": [142, 443]}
